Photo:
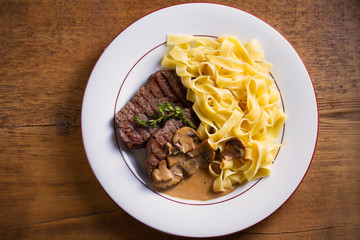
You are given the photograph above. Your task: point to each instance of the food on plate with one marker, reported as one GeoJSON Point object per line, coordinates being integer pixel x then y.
{"type": "Point", "coordinates": [162, 86]}
{"type": "Point", "coordinates": [175, 152]}
{"type": "Point", "coordinates": [151, 119]}
{"type": "Point", "coordinates": [165, 112]}
{"type": "Point", "coordinates": [214, 110]}
{"type": "Point", "coordinates": [234, 96]}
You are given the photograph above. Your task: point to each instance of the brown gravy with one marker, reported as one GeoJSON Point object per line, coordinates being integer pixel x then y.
{"type": "Point", "coordinates": [197, 187]}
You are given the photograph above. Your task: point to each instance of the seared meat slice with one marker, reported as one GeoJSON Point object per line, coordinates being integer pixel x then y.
{"type": "Point", "coordinates": [162, 86]}
{"type": "Point", "coordinates": [157, 149]}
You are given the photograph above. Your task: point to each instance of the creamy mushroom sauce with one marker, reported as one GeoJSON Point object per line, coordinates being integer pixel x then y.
{"type": "Point", "coordinates": [188, 155]}
{"type": "Point", "coordinates": [197, 187]}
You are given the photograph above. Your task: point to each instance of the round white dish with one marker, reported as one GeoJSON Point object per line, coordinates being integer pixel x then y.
{"type": "Point", "coordinates": [125, 65]}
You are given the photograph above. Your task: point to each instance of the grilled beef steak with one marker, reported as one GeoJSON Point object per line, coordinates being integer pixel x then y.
{"type": "Point", "coordinates": [164, 170]}
{"type": "Point", "coordinates": [156, 149]}
{"type": "Point", "coordinates": [162, 86]}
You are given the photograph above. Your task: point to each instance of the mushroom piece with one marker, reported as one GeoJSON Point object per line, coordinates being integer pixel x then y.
{"type": "Point", "coordinates": [162, 173]}
{"type": "Point", "coordinates": [189, 166]}
{"type": "Point", "coordinates": [164, 178]}
{"type": "Point", "coordinates": [204, 154]}
{"type": "Point", "coordinates": [174, 159]}
{"type": "Point", "coordinates": [171, 149]}
{"type": "Point", "coordinates": [174, 155]}
{"type": "Point", "coordinates": [185, 139]}
{"type": "Point", "coordinates": [234, 149]}
{"type": "Point", "coordinates": [185, 155]}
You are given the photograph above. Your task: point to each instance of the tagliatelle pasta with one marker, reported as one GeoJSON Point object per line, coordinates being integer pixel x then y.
{"type": "Point", "coordinates": [234, 96]}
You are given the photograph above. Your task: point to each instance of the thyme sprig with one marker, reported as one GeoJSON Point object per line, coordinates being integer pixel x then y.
{"type": "Point", "coordinates": [165, 112]}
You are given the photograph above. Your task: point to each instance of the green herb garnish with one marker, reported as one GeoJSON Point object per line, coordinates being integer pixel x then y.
{"type": "Point", "coordinates": [165, 112]}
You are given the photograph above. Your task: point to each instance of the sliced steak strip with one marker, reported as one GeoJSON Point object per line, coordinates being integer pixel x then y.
{"type": "Point", "coordinates": [162, 86]}
{"type": "Point", "coordinates": [156, 149]}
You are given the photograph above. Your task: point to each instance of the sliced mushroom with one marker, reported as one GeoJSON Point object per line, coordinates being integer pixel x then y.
{"type": "Point", "coordinates": [174, 159]}
{"type": "Point", "coordinates": [185, 139]}
{"type": "Point", "coordinates": [185, 155]}
{"type": "Point", "coordinates": [203, 153]}
{"type": "Point", "coordinates": [164, 178]}
{"type": "Point", "coordinates": [234, 149]}
{"type": "Point", "coordinates": [171, 148]}
{"type": "Point", "coordinates": [162, 173]}
{"type": "Point", "coordinates": [189, 166]}
{"type": "Point", "coordinates": [174, 155]}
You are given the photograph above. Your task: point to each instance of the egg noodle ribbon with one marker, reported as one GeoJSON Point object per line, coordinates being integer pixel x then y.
{"type": "Point", "coordinates": [233, 95]}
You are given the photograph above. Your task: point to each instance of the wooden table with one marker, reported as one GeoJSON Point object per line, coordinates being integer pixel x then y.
{"type": "Point", "coordinates": [47, 52]}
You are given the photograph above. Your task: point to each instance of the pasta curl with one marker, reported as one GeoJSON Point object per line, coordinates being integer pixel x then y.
{"type": "Point", "coordinates": [233, 95]}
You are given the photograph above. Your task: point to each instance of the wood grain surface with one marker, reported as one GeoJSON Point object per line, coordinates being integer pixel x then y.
{"type": "Point", "coordinates": [47, 52]}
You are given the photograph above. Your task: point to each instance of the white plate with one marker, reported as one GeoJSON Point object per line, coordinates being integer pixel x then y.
{"type": "Point", "coordinates": [125, 65]}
